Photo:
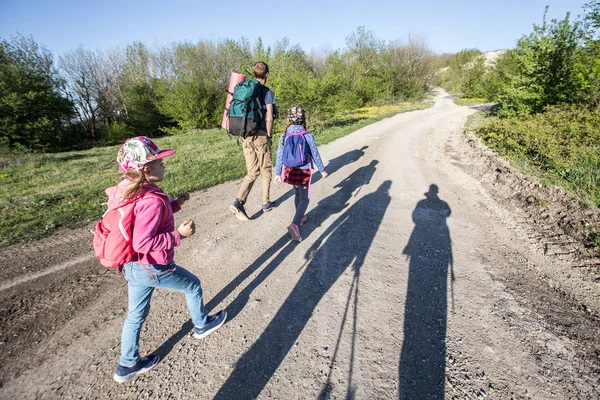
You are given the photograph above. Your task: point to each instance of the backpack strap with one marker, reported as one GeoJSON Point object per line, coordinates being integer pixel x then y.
{"type": "Point", "coordinates": [295, 133]}
{"type": "Point", "coordinates": [260, 99]}
{"type": "Point", "coordinates": [286, 135]}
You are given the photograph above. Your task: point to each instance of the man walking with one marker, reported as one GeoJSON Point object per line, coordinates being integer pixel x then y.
{"type": "Point", "coordinates": [257, 149]}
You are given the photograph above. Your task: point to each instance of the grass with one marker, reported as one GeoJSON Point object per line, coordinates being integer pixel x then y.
{"type": "Point", "coordinates": [559, 147]}
{"type": "Point", "coordinates": [463, 101]}
{"type": "Point", "coordinates": [343, 125]}
{"type": "Point", "coordinates": [40, 193]}
{"type": "Point", "coordinates": [475, 120]}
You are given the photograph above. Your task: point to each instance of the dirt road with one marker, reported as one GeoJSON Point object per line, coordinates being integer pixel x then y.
{"type": "Point", "coordinates": [417, 279]}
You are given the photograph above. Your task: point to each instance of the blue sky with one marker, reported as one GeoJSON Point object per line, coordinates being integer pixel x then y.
{"type": "Point", "coordinates": [446, 26]}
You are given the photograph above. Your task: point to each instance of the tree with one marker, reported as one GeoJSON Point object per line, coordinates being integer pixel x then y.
{"type": "Point", "coordinates": [465, 74]}
{"type": "Point", "coordinates": [191, 96]}
{"type": "Point", "coordinates": [32, 110]}
{"type": "Point", "coordinates": [141, 92]}
{"type": "Point", "coordinates": [548, 62]}
{"type": "Point", "coordinates": [410, 67]}
{"type": "Point", "coordinates": [83, 75]}
{"type": "Point", "coordinates": [364, 64]}
{"type": "Point", "coordinates": [292, 77]}
{"type": "Point", "coordinates": [589, 72]}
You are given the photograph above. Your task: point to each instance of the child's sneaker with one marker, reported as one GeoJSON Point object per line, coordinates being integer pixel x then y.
{"type": "Point", "coordinates": [303, 220]}
{"type": "Point", "coordinates": [213, 322]}
{"type": "Point", "coordinates": [294, 232]}
{"type": "Point", "coordinates": [237, 208]}
{"type": "Point", "coordinates": [144, 364]}
{"type": "Point", "coordinates": [269, 207]}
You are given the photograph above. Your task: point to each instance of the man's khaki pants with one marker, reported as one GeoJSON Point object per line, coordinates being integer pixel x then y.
{"type": "Point", "coordinates": [257, 152]}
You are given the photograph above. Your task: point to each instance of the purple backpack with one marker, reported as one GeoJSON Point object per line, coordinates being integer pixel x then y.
{"type": "Point", "coordinates": [296, 151]}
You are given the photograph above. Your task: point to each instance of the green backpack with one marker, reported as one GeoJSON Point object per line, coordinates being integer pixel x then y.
{"type": "Point", "coordinates": [246, 109]}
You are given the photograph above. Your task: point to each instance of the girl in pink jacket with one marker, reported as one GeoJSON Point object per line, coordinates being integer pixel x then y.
{"type": "Point", "coordinates": [154, 241]}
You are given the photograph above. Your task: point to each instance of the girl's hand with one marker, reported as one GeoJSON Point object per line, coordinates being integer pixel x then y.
{"type": "Point", "coordinates": [278, 179]}
{"type": "Point", "coordinates": [324, 174]}
{"type": "Point", "coordinates": [187, 228]}
{"type": "Point", "coordinates": [182, 198]}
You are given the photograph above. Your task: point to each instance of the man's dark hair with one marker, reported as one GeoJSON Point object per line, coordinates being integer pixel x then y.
{"type": "Point", "coordinates": [260, 70]}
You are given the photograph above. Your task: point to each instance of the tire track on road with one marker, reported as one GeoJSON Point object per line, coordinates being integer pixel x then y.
{"type": "Point", "coordinates": [48, 271]}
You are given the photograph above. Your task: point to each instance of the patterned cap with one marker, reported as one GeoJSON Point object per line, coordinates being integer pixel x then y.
{"type": "Point", "coordinates": [139, 151]}
{"type": "Point", "coordinates": [296, 116]}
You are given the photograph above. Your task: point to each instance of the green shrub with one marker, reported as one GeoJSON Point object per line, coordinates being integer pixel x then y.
{"type": "Point", "coordinates": [564, 143]}
{"type": "Point", "coordinates": [117, 132]}
{"type": "Point", "coordinates": [465, 74]}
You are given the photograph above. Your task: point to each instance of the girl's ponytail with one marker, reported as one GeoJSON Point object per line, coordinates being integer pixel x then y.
{"type": "Point", "coordinates": [136, 179]}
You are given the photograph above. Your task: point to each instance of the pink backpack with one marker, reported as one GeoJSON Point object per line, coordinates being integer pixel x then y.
{"type": "Point", "coordinates": [113, 236]}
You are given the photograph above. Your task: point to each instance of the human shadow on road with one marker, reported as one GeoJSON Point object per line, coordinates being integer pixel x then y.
{"type": "Point", "coordinates": [349, 187]}
{"type": "Point", "coordinates": [421, 372]}
{"type": "Point", "coordinates": [316, 217]}
{"type": "Point", "coordinates": [332, 167]}
{"type": "Point", "coordinates": [283, 246]}
{"type": "Point", "coordinates": [344, 244]}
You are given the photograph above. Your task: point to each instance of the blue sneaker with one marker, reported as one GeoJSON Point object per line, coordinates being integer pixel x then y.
{"type": "Point", "coordinates": [144, 364]}
{"type": "Point", "coordinates": [212, 324]}
{"type": "Point", "coordinates": [269, 207]}
{"type": "Point", "coordinates": [237, 208]}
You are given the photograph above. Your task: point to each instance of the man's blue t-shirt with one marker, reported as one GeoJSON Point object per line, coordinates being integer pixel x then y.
{"type": "Point", "coordinates": [269, 98]}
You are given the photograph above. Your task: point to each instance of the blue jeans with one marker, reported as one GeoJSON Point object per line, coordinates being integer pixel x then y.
{"type": "Point", "coordinates": [141, 283]}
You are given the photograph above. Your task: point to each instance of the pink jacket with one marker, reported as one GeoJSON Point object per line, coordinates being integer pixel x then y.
{"type": "Point", "coordinates": [154, 234]}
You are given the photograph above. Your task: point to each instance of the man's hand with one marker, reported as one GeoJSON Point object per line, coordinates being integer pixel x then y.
{"type": "Point", "coordinates": [278, 179]}
{"type": "Point", "coordinates": [187, 228]}
{"type": "Point", "coordinates": [182, 198]}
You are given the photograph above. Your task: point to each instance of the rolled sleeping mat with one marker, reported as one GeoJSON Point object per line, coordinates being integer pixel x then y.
{"type": "Point", "coordinates": [233, 80]}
